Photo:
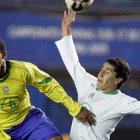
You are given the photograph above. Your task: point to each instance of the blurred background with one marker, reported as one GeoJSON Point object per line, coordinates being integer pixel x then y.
{"type": "Point", "coordinates": [109, 28]}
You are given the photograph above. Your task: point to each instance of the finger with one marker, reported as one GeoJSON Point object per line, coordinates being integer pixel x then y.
{"type": "Point", "coordinates": [65, 13]}
{"type": "Point", "coordinates": [88, 122]}
{"type": "Point", "coordinates": [73, 15]}
{"type": "Point", "coordinates": [69, 12]}
{"type": "Point", "coordinates": [73, 18]}
{"type": "Point", "coordinates": [92, 117]}
{"type": "Point", "coordinates": [91, 120]}
{"type": "Point", "coordinates": [92, 114]}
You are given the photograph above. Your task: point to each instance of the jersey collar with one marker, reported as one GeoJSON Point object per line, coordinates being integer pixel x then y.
{"type": "Point", "coordinates": [115, 92]}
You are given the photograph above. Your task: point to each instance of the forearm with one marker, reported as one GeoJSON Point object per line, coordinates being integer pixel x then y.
{"type": "Point", "coordinates": [4, 135]}
{"type": "Point", "coordinates": [66, 31]}
{"type": "Point", "coordinates": [67, 21]}
{"type": "Point", "coordinates": [56, 93]}
{"type": "Point", "coordinates": [60, 96]}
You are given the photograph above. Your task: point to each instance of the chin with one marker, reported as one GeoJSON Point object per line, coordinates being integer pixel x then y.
{"type": "Point", "coordinates": [98, 86]}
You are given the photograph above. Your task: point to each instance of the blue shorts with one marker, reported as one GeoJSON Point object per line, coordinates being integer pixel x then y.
{"type": "Point", "coordinates": [37, 126]}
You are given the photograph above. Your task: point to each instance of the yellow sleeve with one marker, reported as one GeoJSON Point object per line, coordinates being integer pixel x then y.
{"type": "Point", "coordinates": [4, 136]}
{"type": "Point", "coordinates": [52, 89]}
{"type": "Point", "coordinates": [55, 92]}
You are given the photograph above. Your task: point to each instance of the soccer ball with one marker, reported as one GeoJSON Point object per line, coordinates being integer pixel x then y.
{"type": "Point", "coordinates": [78, 5]}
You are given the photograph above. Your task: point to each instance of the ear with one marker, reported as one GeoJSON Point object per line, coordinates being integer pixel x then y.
{"type": "Point", "coordinates": [4, 54]}
{"type": "Point", "coordinates": [118, 80]}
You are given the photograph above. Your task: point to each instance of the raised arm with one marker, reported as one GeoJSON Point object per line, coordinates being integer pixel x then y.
{"type": "Point", "coordinates": [70, 58]}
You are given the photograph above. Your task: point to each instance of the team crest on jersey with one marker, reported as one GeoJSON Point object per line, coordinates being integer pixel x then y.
{"type": "Point", "coordinates": [5, 89]}
{"type": "Point", "coordinates": [92, 85]}
{"type": "Point", "coordinates": [10, 104]}
{"type": "Point", "coordinates": [91, 96]}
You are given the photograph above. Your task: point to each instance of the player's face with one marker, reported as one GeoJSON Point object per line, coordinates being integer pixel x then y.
{"type": "Point", "coordinates": [107, 80]}
{"type": "Point", "coordinates": [2, 59]}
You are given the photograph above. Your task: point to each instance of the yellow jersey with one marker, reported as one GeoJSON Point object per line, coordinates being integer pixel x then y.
{"type": "Point", "coordinates": [15, 102]}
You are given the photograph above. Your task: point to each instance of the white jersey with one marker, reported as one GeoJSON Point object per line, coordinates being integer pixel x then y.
{"type": "Point", "coordinates": [109, 108]}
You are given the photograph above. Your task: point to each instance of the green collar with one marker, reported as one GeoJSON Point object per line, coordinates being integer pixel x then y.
{"type": "Point", "coordinates": [111, 93]}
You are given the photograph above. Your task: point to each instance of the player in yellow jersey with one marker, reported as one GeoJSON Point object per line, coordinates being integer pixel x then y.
{"type": "Point", "coordinates": [19, 120]}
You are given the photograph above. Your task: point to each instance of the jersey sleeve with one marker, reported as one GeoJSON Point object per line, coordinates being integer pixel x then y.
{"type": "Point", "coordinates": [70, 58]}
{"type": "Point", "coordinates": [4, 135]}
{"type": "Point", "coordinates": [131, 105]}
{"type": "Point", "coordinates": [52, 89]}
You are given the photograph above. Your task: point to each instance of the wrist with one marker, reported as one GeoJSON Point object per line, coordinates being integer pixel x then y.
{"type": "Point", "coordinates": [76, 110]}
{"type": "Point", "coordinates": [66, 31]}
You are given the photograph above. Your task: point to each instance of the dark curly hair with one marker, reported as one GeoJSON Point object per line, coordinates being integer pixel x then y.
{"type": "Point", "coordinates": [121, 68]}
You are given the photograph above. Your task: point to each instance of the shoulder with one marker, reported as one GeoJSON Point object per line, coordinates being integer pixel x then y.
{"type": "Point", "coordinates": [21, 64]}
{"type": "Point", "coordinates": [92, 79]}
{"type": "Point", "coordinates": [128, 98]}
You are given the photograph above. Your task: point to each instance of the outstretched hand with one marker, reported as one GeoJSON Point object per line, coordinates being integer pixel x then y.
{"type": "Point", "coordinates": [86, 116]}
{"type": "Point", "coordinates": [68, 19]}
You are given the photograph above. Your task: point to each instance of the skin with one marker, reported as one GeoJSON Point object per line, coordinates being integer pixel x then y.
{"type": "Point", "coordinates": [2, 63]}
{"type": "Point", "coordinates": [107, 80]}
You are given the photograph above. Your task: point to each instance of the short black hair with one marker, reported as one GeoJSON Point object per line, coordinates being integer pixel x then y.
{"type": "Point", "coordinates": [121, 68]}
{"type": "Point", "coordinates": [2, 46]}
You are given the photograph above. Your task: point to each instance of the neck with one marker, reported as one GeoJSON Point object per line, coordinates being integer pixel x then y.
{"type": "Point", "coordinates": [113, 92]}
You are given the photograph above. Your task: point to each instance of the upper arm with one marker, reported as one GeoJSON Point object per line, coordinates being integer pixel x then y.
{"type": "Point", "coordinates": [70, 58]}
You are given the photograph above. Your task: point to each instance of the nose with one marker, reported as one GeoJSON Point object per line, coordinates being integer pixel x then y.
{"type": "Point", "coordinates": [101, 73]}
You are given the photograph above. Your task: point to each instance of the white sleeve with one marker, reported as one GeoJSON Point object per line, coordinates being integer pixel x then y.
{"type": "Point", "coordinates": [70, 58]}
{"type": "Point", "coordinates": [132, 106]}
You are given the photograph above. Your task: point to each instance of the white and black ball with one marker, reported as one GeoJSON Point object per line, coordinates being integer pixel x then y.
{"type": "Point", "coordinates": [78, 5]}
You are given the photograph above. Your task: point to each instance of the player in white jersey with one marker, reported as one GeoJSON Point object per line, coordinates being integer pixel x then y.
{"type": "Point", "coordinates": [101, 95]}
